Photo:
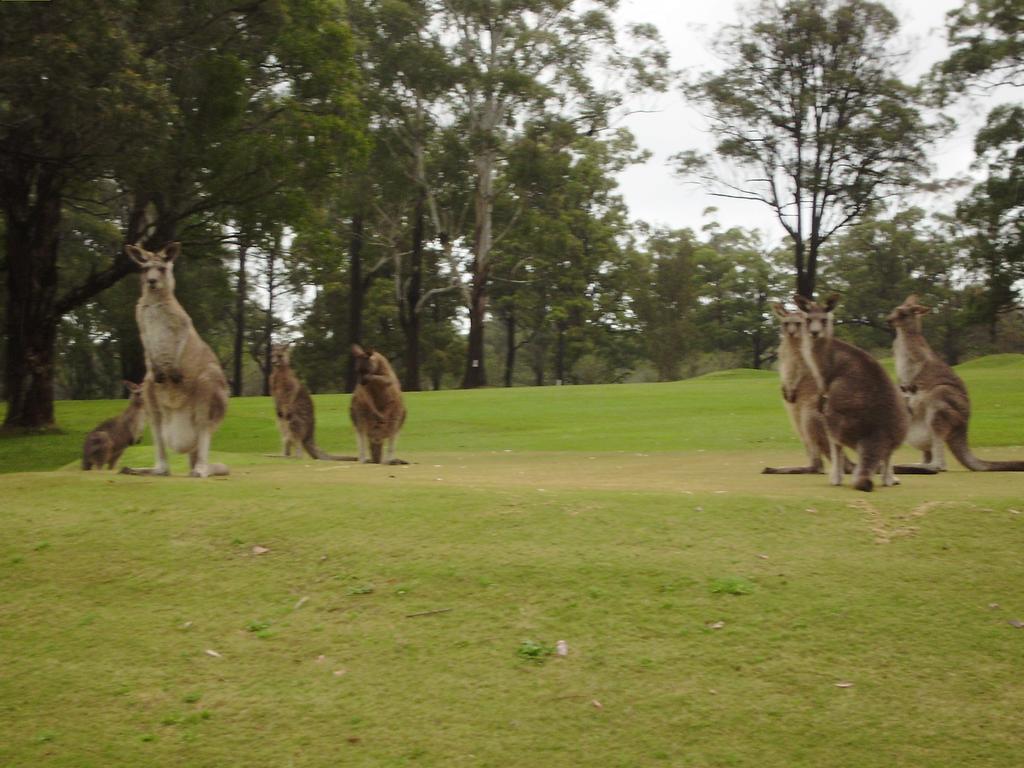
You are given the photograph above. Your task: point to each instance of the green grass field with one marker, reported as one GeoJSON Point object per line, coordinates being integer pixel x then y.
{"type": "Point", "coordinates": [304, 613]}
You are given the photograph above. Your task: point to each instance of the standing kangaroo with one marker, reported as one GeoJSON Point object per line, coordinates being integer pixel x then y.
{"type": "Point", "coordinates": [800, 395]}
{"type": "Point", "coordinates": [185, 391]}
{"type": "Point", "coordinates": [295, 418]}
{"type": "Point", "coordinates": [377, 411]}
{"type": "Point", "coordinates": [936, 396]}
{"type": "Point", "coordinates": [106, 443]}
{"type": "Point", "coordinates": [862, 408]}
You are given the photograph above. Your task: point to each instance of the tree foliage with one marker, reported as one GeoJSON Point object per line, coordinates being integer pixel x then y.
{"type": "Point", "coordinates": [812, 113]}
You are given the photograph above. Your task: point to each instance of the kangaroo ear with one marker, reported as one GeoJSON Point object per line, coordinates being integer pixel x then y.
{"type": "Point", "coordinates": [370, 351]}
{"type": "Point", "coordinates": [171, 251]}
{"type": "Point", "coordinates": [136, 254]}
{"type": "Point", "coordinates": [132, 386]}
{"type": "Point", "coordinates": [801, 301]}
{"type": "Point", "coordinates": [831, 301]}
{"type": "Point", "coordinates": [779, 310]}
{"type": "Point", "coordinates": [357, 351]}
{"type": "Point", "coordinates": [920, 309]}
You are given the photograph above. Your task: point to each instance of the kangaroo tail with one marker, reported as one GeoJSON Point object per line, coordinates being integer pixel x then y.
{"type": "Point", "coordinates": [957, 442]}
{"type": "Point", "coordinates": [808, 470]}
{"type": "Point", "coordinates": [913, 469]}
{"type": "Point", "coordinates": [314, 450]}
{"type": "Point", "coordinates": [375, 452]}
{"type": "Point", "coordinates": [870, 455]}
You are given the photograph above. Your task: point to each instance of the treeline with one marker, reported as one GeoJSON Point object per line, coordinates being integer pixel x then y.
{"type": "Point", "coordinates": [436, 178]}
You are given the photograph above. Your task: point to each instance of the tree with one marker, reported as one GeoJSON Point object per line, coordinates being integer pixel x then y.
{"type": "Point", "coordinates": [667, 304]}
{"type": "Point", "coordinates": [810, 106]}
{"type": "Point", "coordinates": [234, 106]}
{"type": "Point", "coordinates": [512, 58]}
{"type": "Point", "coordinates": [74, 98]}
{"type": "Point", "coordinates": [878, 262]}
{"type": "Point", "coordinates": [987, 42]}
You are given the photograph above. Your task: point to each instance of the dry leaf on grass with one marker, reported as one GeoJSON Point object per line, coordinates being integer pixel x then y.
{"type": "Point", "coordinates": [715, 624]}
{"type": "Point", "coordinates": [844, 684]}
{"type": "Point", "coordinates": [258, 550]}
{"type": "Point", "coordinates": [597, 704]}
{"type": "Point", "coordinates": [561, 648]}
{"type": "Point", "coordinates": [211, 652]}
{"type": "Point", "coordinates": [1017, 623]}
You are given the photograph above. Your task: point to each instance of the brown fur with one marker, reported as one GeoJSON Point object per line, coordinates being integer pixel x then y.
{"type": "Point", "coordinates": [863, 410]}
{"type": "Point", "coordinates": [376, 409]}
{"type": "Point", "coordinates": [940, 408]}
{"type": "Point", "coordinates": [106, 443]}
{"type": "Point", "coordinates": [800, 397]}
{"type": "Point", "coordinates": [296, 420]}
{"type": "Point", "coordinates": [185, 390]}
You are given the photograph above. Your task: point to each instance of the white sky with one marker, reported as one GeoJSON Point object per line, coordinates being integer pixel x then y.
{"type": "Point", "coordinates": [655, 195]}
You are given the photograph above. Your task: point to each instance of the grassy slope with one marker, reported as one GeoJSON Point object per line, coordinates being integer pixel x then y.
{"type": "Point", "coordinates": [617, 518]}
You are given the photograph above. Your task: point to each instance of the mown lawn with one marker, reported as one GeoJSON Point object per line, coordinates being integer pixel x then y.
{"type": "Point", "coordinates": [404, 616]}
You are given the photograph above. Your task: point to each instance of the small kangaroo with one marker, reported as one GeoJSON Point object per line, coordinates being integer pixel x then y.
{"type": "Point", "coordinates": [936, 397]}
{"type": "Point", "coordinates": [295, 418]}
{"type": "Point", "coordinates": [376, 409]}
{"type": "Point", "coordinates": [106, 443]}
{"type": "Point", "coordinates": [800, 396]}
{"type": "Point", "coordinates": [863, 410]}
{"type": "Point", "coordinates": [186, 393]}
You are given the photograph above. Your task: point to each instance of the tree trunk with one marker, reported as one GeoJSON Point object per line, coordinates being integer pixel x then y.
{"type": "Point", "coordinates": [412, 298]}
{"type": "Point", "coordinates": [475, 375]}
{"type": "Point", "coordinates": [804, 280]}
{"type": "Point", "coordinates": [560, 355]}
{"type": "Point", "coordinates": [355, 295]}
{"type": "Point", "coordinates": [33, 237]}
{"type": "Point", "coordinates": [240, 296]}
{"type": "Point", "coordinates": [268, 323]}
{"type": "Point", "coordinates": [510, 346]}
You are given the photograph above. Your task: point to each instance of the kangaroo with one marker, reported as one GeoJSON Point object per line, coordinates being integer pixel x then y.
{"type": "Point", "coordinates": [936, 397]}
{"type": "Point", "coordinates": [106, 443]}
{"type": "Point", "coordinates": [862, 408]}
{"type": "Point", "coordinates": [800, 396]}
{"type": "Point", "coordinates": [376, 409]}
{"type": "Point", "coordinates": [295, 418]}
{"type": "Point", "coordinates": [186, 393]}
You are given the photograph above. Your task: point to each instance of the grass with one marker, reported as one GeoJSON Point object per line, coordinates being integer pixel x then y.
{"type": "Point", "coordinates": [322, 614]}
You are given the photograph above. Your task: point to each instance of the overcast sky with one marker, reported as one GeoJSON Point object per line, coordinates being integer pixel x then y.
{"type": "Point", "coordinates": [687, 27]}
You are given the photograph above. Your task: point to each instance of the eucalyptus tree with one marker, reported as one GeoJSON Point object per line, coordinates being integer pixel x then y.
{"type": "Point", "coordinates": [74, 98]}
{"type": "Point", "coordinates": [811, 114]}
{"type": "Point", "coordinates": [188, 117]}
{"type": "Point", "coordinates": [512, 58]}
{"type": "Point", "coordinates": [876, 263]}
{"type": "Point", "coordinates": [667, 301]}
{"type": "Point", "coordinates": [558, 262]}
{"type": "Point", "coordinates": [986, 39]}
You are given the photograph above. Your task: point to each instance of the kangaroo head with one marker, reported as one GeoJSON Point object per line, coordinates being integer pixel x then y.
{"type": "Point", "coordinates": [791, 324]}
{"type": "Point", "coordinates": [134, 394]}
{"type": "Point", "coordinates": [157, 269]}
{"type": "Point", "coordinates": [907, 315]}
{"type": "Point", "coordinates": [280, 355]}
{"type": "Point", "coordinates": [366, 360]}
{"type": "Point", "coordinates": [817, 317]}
